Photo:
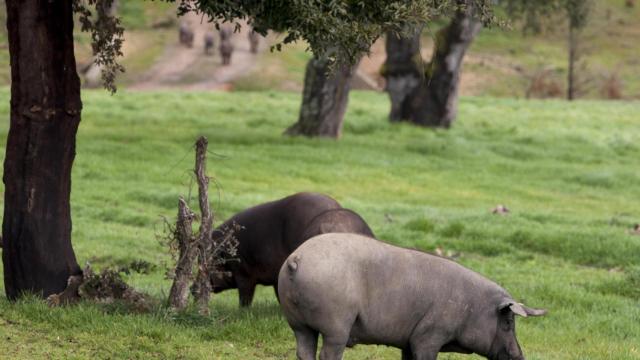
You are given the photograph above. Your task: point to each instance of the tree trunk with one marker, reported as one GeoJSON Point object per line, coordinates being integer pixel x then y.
{"type": "Point", "coordinates": [433, 101]}
{"type": "Point", "coordinates": [324, 99]}
{"type": "Point", "coordinates": [45, 113]}
{"type": "Point", "coordinates": [403, 71]}
{"type": "Point", "coordinates": [573, 55]}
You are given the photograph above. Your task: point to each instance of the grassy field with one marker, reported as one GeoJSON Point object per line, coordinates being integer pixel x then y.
{"type": "Point", "coordinates": [568, 171]}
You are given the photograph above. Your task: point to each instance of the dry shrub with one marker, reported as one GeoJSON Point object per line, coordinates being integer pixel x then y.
{"type": "Point", "coordinates": [542, 84]}
{"type": "Point", "coordinates": [612, 87]}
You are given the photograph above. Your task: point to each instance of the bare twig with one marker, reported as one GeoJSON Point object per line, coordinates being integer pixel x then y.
{"type": "Point", "coordinates": [225, 247]}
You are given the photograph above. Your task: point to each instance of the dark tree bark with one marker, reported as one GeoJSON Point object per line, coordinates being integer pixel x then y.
{"type": "Point", "coordinates": [573, 56]}
{"type": "Point", "coordinates": [403, 71]}
{"type": "Point", "coordinates": [45, 113]}
{"type": "Point", "coordinates": [436, 102]}
{"type": "Point", "coordinates": [433, 101]}
{"type": "Point", "coordinates": [324, 99]}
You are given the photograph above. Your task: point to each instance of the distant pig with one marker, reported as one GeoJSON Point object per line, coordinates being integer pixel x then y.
{"type": "Point", "coordinates": [226, 50]}
{"type": "Point", "coordinates": [254, 41]}
{"type": "Point", "coordinates": [357, 290]}
{"type": "Point", "coordinates": [208, 42]}
{"type": "Point", "coordinates": [185, 35]}
{"type": "Point", "coordinates": [226, 44]}
{"type": "Point", "coordinates": [271, 231]}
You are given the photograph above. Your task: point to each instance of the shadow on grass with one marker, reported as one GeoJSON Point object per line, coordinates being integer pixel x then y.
{"type": "Point", "coordinates": [226, 314]}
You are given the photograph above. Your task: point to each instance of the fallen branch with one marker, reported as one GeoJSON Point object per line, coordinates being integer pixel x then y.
{"type": "Point", "coordinates": [106, 287]}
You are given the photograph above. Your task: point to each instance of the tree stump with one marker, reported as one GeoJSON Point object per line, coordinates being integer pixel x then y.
{"type": "Point", "coordinates": [179, 293]}
{"type": "Point", "coordinates": [202, 285]}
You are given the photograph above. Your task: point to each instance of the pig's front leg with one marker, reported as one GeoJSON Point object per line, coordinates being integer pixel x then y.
{"type": "Point", "coordinates": [426, 346]}
{"type": "Point", "coordinates": [246, 289]}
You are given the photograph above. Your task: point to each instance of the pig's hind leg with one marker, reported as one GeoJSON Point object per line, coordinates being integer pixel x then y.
{"type": "Point", "coordinates": [246, 289]}
{"type": "Point", "coordinates": [306, 343]}
{"type": "Point", "coordinates": [333, 346]}
{"type": "Point", "coordinates": [336, 334]}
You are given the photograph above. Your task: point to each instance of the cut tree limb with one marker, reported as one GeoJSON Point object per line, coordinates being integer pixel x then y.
{"type": "Point", "coordinates": [202, 287]}
{"type": "Point", "coordinates": [179, 294]}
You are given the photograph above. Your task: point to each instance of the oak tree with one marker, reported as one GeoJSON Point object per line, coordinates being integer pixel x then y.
{"type": "Point", "coordinates": [46, 107]}
{"type": "Point", "coordinates": [426, 93]}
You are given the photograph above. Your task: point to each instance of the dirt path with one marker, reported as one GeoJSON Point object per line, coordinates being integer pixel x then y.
{"type": "Point", "coordinates": [182, 68]}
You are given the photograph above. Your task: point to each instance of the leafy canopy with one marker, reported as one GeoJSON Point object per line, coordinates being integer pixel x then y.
{"type": "Point", "coordinates": [107, 36]}
{"type": "Point", "coordinates": [339, 29]}
{"type": "Point", "coordinates": [345, 28]}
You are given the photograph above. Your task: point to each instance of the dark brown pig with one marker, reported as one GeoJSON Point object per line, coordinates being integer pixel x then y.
{"type": "Point", "coordinates": [208, 43]}
{"type": "Point", "coordinates": [254, 41]}
{"type": "Point", "coordinates": [185, 35]}
{"type": "Point", "coordinates": [226, 44]}
{"type": "Point", "coordinates": [357, 290]}
{"type": "Point", "coordinates": [271, 231]}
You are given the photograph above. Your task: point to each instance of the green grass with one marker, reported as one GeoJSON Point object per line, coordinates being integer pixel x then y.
{"type": "Point", "coordinates": [568, 172]}
{"type": "Point", "coordinates": [142, 15]}
{"type": "Point", "coordinates": [282, 70]}
{"type": "Point", "coordinates": [143, 53]}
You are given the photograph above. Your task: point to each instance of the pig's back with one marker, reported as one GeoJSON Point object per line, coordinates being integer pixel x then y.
{"type": "Point", "coordinates": [385, 290]}
{"type": "Point", "coordinates": [353, 278]}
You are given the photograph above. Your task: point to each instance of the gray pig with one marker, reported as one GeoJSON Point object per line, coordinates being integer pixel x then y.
{"type": "Point", "coordinates": [356, 290]}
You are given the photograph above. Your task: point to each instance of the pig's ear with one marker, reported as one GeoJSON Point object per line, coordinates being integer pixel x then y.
{"type": "Point", "coordinates": [515, 308]}
{"type": "Point", "coordinates": [518, 309]}
{"type": "Point", "coordinates": [532, 311]}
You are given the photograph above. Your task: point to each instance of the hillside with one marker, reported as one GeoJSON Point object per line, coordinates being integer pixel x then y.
{"type": "Point", "coordinates": [568, 172]}
{"type": "Point", "coordinates": [501, 62]}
